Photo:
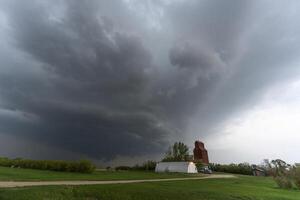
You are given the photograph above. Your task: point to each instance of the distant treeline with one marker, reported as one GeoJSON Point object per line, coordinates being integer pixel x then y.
{"type": "Point", "coordinates": [82, 166]}
{"type": "Point", "coordinates": [146, 166]}
{"type": "Point", "coordinates": [242, 168]}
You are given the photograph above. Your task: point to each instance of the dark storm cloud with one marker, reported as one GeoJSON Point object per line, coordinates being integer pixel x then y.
{"type": "Point", "coordinates": [84, 76]}
{"type": "Point", "coordinates": [94, 98]}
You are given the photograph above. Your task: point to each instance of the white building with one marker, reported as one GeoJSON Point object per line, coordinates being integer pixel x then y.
{"type": "Point", "coordinates": [184, 167]}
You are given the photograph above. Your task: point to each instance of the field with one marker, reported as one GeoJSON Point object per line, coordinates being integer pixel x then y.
{"type": "Point", "coordinates": [241, 188]}
{"type": "Point", "coordinates": [8, 174]}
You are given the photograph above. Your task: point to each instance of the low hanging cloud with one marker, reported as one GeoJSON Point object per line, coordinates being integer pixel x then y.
{"type": "Point", "coordinates": [95, 78]}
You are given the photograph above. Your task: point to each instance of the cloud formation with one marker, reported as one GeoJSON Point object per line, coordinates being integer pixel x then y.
{"type": "Point", "coordinates": [102, 79]}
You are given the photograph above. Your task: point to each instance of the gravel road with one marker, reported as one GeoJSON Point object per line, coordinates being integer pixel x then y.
{"type": "Point", "coordinates": [11, 184]}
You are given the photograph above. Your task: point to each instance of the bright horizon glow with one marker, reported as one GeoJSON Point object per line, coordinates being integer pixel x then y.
{"type": "Point", "coordinates": [269, 130]}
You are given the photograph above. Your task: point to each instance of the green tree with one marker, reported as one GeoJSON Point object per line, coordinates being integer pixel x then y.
{"type": "Point", "coordinates": [177, 152]}
{"type": "Point", "coordinates": [280, 168]}
{"type": "Point", "coordinates": [282, 173]}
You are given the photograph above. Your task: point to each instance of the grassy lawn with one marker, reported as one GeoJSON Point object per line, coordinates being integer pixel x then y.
{"type": "Point", "coordinates": [8, 174]}
{"type": "Point", "coordinates": [242, 188]}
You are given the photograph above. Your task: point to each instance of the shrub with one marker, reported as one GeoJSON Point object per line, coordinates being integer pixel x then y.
{"type": "Point", "coordinates": [283, 182]}
{"type": "Point", "coordinates": [296, 176]}
{"type": "Point", "coordinates": [199, 166]}
{"type": "Point", "coordinates": [123, 168]}
{"type": "Point", "coordinates": [83, 166]}
{"type": "Point", "coordinates": [146, 166]}
{"type": "Point", "coordinates": [282, 173]}
{"type": "Point", "coordinates": [242, 168]}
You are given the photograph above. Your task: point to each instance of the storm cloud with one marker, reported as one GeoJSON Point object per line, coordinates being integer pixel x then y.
{"type": "Point", "coordinates": [103, 79]}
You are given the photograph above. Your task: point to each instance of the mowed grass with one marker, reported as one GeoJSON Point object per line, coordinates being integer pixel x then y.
{"type": "Point", "coordinates": [241, 188]}
{"type": "Point", "coordinates": [16, 174]}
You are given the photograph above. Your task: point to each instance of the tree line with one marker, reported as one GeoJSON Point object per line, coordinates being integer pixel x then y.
{"type": "Point", "coordinates": [82, 166]}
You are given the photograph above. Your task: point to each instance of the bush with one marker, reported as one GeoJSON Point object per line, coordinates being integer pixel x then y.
{"type": "Point", "coordinates": [199, 166]}
{"type": "Point", "coordinates": [83, 166]}
{"type": "Point", "coordinates": [242, 168]}
{"type": "Point", "coordinates": [146, 166]}
{"type": "Point", "coordinates": [123, 168]}
{"type": "Point", "coordinates": [296, 176]}
{"type": "Point", "coordinates": [282, 173]}
{"type": "Point", "coordinates": [283, 182]}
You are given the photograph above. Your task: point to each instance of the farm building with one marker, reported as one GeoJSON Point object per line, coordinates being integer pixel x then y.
{"type": "Point", "coordinates": [184, 167]}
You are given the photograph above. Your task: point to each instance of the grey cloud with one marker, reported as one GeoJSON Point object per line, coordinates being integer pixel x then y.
{"type": "Point", "coordinates": [266, 56]}
{"type": "Point", "coordinates": [219, 25]}
{"type": "Point", "coordinates": [94, 93]}
{"type": "Point", "coordinates": [202, 62]}
{"type": "Point", "coordinates": [84, 76]}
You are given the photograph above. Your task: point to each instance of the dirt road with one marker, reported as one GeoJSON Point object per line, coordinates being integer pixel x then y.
{"type": "Point", "coordinates": [10, 184]}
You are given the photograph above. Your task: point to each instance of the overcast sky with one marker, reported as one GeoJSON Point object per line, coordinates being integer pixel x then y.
{"type": "Point", "coordinates": [118, 81]}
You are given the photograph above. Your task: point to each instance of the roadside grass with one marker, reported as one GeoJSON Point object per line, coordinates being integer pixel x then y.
{"type": "Point", "coordinates": [242, 188]}
{"type": "Point", "coordinates": [18, 174]}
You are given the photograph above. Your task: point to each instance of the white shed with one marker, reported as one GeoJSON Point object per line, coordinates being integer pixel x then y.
{"type": "Point", "coordinates": [184, 167]}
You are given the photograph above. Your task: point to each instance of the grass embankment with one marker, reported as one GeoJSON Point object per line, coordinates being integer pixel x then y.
{"type": "Point", "coordinates": [18, 174]}
{"type": "Point", "coordinates": [242, 188]}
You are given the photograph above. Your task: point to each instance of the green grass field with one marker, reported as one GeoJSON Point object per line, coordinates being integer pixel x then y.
{"type": "Point", "coordinates": [241, 188]}
{"type": "Point", "coordinates": [8, 174]}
